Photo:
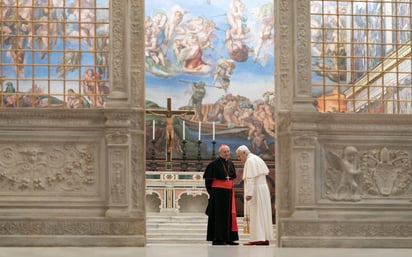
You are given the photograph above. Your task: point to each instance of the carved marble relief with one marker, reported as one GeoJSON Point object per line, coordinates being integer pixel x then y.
{"type": "Point", "coordinates": [304, 164]}
{"type": "Point", "coordinates": [344, 229]}
{"type": "Point", "coordinates": [302, 58]}
{"type": "Point", "coordinates": [387, 172]}
{"type": "Point", "coordinates": [305, 191]}
{"type": "Point", "coordinates": [67, 227]}
{"type": "Point", "coordinates": [377, 173]}
{"type": "Point", "coordinates": [283, 48]}
{"type": "Point", "coordinates": [31, 168]}
{"type": "Point", "coordinates": [117, 176]}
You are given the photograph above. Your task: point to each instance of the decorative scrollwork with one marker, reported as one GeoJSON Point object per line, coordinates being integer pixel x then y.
{"type": "Point", "coordinates": [47, 168]}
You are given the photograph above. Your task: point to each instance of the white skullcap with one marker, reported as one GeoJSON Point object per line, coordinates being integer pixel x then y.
{"type": "Point", "coordinates": [243, 148]}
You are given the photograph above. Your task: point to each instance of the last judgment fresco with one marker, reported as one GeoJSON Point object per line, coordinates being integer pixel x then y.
{"type": "Point", "coordinates": [215, 58]}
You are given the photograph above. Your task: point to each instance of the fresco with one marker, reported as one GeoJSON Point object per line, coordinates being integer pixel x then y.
{"type": "Point", "coordinates": [217, 59]}
{"type": "Point", "coordinates": [353, 45]}
{"type": "Point", "coordinates": [54, 53]}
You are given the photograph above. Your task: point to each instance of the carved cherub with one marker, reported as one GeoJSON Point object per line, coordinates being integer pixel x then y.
{"type": "Point", "coordinates": [348, 188]}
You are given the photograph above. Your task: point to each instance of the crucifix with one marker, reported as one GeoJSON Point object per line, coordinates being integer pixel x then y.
{"type": "Point", "coordinates": [169, 114]}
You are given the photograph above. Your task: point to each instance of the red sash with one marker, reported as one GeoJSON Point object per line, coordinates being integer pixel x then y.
{"type": "Point", "coordinates": [228, 184]}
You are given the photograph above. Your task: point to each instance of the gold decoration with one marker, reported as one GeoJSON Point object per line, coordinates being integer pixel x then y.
{"type": "Point", "coordinates": [246, 224]}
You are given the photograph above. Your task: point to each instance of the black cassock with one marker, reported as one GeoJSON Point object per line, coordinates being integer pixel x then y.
{"type": "Point", "coordinates": [221, 211]}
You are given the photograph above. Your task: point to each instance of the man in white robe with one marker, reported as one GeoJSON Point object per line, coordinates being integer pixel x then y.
{"type": "Point", "coordinates": [257, 197]}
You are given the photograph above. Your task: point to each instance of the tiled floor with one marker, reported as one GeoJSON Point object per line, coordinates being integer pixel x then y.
{"type": "Point", "coordinates": [174, 250]}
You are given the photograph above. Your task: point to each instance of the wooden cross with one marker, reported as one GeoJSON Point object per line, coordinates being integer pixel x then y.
{"type": "Point", "coordinates": [169, 114]}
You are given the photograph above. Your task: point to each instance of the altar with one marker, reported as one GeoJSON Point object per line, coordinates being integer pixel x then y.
{"type": "Point", "coordinates": [175, 192]}
{"type": "Point", "coordinates": [184, 191]}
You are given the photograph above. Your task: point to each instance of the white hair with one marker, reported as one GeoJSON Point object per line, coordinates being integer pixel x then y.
{"type": "Point", "coordinates": [243, 148]}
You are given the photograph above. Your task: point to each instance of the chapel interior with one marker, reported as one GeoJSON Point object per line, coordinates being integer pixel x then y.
{"type": "Point", "coordinates": [84, 153]}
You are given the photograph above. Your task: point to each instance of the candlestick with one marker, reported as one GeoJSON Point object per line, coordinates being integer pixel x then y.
{"type": "Point", "coordinates": [213, 149]}
{"type": "Point", "coordinates": [213, 131]}
{"type": "Point", "coordinates": [184, 130]}
{"type": "Point", "coordinates": [153, 165]}
{"type": "Point", "coordinates": [200, 130]}
{"type": "Point", "coordinates": [153, 132]}
{"type": "Point", "coordinates": [199, 157]}
{"type": "Point", "coordinates": [183, 164]}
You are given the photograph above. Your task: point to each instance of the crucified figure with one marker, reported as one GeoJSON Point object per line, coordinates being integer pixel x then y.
{"type": "Point", "coordinates": [169, 114]}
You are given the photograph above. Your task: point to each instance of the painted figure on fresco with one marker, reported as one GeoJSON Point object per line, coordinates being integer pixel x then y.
{"type": "Point", "coordinates": [45, 31]}
{"type": "Point", "coordinates": [237, 33]}
{"type": "Point", "coordinates": [153, 34]}
{"type": "Point", "coordinates": [72, 99]}
{"type": "Point", "coordinates": [198, 93]}
{"type": "Point", "coordinates": [187, 38]}
{"type": "Point", "coordinates": [223, 72]}
{"type": "Point", "coordinates": [173, 25]}
{"type": "Point", "coordinates": [266, 33]}
{"type": "Point", "coordinates": [263, 112]}
{"type": "Point", "coordinates": [10, 96]}
{"type": "Point", "coordinates": [92, 89]}
{"type": "Point", "coordinates": [190, 44]}
{"type": "Point", "coordinates": [70, 62]}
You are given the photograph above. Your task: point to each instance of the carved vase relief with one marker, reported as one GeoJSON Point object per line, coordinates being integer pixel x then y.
{"type": "Point", "coordinates": [34, 168]}
{"type": "Point", "coordinates": [371, 174]}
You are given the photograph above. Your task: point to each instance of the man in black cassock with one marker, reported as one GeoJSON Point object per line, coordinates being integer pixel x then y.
{"type": "Point", "coordinates": [222, 226]}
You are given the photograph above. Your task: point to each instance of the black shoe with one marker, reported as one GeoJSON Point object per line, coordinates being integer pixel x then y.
{"type": "Point", "coordinates": [232, 243]}
{"type": "Point", "coordinates": [218, 243]}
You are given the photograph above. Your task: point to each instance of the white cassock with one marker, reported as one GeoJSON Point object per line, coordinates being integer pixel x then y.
{"type": "Point", "coordinates": [259, 207]}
